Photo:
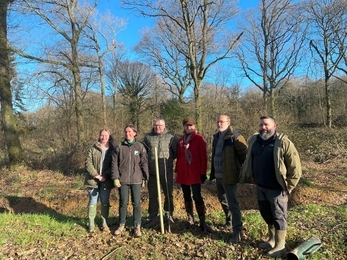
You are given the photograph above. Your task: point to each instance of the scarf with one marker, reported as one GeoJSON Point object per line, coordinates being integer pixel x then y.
{"type": "Point", "coordinates": [130, 143]}
{"type": "Point", "coordinates": [186, 140]}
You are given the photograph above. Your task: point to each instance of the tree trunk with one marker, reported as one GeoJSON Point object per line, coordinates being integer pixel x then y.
{"type": "Point", "coordinates": [14, 149]}
{"type": "Point", "coordinates": [198, 106]}
{"type": "Point", "coordinates": [328, 103]}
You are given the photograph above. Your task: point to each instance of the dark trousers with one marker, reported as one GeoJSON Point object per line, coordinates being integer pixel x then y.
{"type": "Point", "coordinates": [135, 190]}
{"type": "Point", "coordinates": [167, 187]}
{"type": "Point", "coordinates": [273, 205]}
{"type": "Point", "coordinates": [228, 194]}
{"type": "Point", "coordinates": [196, 190]}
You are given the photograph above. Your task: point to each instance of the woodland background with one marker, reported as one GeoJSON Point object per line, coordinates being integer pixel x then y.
{"type": "Point", "coordinates": [64, 76]}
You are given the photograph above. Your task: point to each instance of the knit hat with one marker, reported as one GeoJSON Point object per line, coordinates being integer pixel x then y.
{"type": "Point", "coordinates": [188, 121]}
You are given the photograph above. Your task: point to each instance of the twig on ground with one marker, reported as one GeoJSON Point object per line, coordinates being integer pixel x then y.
{"type": "Point", "coordinates": [341, 224]}
{"type": "Point", "coordinates": [110, 253]}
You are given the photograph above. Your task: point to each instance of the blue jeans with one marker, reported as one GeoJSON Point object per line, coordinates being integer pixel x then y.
{"type": "Point", "coordinates": [96, 193]}
{"type": "Point", "coordinates": [229, 191]}
{"type": "Point", "coordinates": [135, 199]}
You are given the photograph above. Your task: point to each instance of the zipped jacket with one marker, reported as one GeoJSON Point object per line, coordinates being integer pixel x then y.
{"type": "Point", "coordinates": [166, 144]}
{"type": "Point", "coordinates": [129, 163]}
{"type": "Point", "coordinates": [233, 155]}
{"type": "Point", "coordinates": [92, 166]}
{"type": "Point", "coordinates": [286, 159]}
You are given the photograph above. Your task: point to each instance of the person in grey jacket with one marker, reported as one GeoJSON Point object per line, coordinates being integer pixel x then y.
{"type": "Point", "coordinates": [129, 172]}
{"type": "Point", "coordinates": [166, 144]}
{"type": "Point", "coordinates": [98, 178]}
{"type": "Point", "coordinates": [273, 164]}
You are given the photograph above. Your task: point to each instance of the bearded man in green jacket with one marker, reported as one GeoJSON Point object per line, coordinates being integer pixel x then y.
{"type": "Point", "coordinates": [273, 163]}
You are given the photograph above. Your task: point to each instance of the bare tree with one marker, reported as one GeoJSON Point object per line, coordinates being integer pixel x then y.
{"type": "Point", "coordinates": [198, 30]}
{"type": "Point", "coordinates": [135, 83]}
{"type": "Point", "coordinates": [65, 20]}
{"type": "Point", "coordinates": [112, 71]}
{"type": "Point", "coordinates": [13, 145]}
{"type": "Point", "coordinates": [328, 22]}
{"type": "Point", "coordinates": [102, 31]}
{"type": "Point", "coordinates": [160, 51]}
{"type": "Point", "coordinates": [272, 44]}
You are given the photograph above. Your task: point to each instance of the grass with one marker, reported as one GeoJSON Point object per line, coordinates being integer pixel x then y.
{"type": "Point", "coordinates": [328, 223]}
{"type": "Point", "coordinates": [25, 230]}
{"type": "Point", "coordinates": [37, 228]}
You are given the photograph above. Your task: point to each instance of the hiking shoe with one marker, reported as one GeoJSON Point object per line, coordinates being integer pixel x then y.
{"type": "Point", "coordinates": [137, 231]}
{"type": "Point", "coordinates": [119, 230]}
{"type": "Point", "coordinates": [151, 223]}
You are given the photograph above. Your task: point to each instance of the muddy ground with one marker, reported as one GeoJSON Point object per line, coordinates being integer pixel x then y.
{"type": "Point", "coordinates": [321, 184]}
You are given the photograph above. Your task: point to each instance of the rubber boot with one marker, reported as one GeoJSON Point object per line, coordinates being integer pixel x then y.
{"type": "Point", "coordinates": [271, 241]}
{"type": "Point", "coordinates": [190, 214]}
{"type": "Point", "coordinates": [137, 231]}
{"type": "Point", "coordinates": [280, 240]}
{"type": "Point", "coordinates": [91, 217]}
{"type": "Point", "coordinates": [105, 209]}
{"type": "Point", "coordinates": [202, 212]}
{"type": "Point", "coordinates": [119, 230]}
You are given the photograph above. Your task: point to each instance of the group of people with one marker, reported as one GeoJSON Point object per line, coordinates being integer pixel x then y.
{"type": "Point", "coordinates": [269, 159]}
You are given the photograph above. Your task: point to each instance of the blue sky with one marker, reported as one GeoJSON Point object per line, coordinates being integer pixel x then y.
{"type": "Point", "coordinates": [130, 36]}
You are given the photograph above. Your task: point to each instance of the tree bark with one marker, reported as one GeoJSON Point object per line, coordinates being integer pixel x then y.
{"type": "Point", "coordinates": [14, 149]}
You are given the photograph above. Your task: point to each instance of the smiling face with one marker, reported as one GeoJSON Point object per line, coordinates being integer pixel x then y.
{"type": "Point", "coordinates": [129, 134]}
{"type": "Point", "coordinates": [159, 126]}
{"type": "Point", "coordinates": [104, 137]}
{"type": "Point", "coordinates": [267, 128]}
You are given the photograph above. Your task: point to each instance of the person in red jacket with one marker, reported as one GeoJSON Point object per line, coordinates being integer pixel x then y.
{"type": "Point", "coordinates": [191, 165]}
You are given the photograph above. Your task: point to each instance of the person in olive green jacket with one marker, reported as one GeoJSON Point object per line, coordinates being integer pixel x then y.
{"type": "Point", "coordinates": [229, 149]}
{"type": "Point", "coordinates": [273, 164]}
{"type": "Point", "coordinates": [98, 178]}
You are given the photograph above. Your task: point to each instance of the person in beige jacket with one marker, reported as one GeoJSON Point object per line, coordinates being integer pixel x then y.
{"type": "Point", "coordinates": [273, 164]}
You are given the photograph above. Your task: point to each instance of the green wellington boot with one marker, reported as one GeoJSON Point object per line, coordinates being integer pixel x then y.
{"type": "Point", "coordinates": [280, 240]}
{"type": "Point", "coordinates": [91, 218]}
{"type": "Point", "coordinates": [271, 241]}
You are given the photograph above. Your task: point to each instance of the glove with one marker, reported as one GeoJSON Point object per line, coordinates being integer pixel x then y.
{"type": "Point", "coordinates": [203, 178]}
{"type": "Point", "coordinates": [116, 183]}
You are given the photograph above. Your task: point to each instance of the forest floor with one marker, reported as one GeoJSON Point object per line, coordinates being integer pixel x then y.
{"type": "Point", "coordinates": [41, 192]}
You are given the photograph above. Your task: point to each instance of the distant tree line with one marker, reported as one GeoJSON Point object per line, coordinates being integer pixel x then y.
{"type": "Point", "coordinates": [69, 66]}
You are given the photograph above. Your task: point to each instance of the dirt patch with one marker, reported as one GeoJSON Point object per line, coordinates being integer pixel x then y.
{"type": "Point", "coordinates": [322, 184]}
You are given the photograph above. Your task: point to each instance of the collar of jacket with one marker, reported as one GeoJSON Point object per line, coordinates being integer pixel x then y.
{"type": "Point", "coordinates": [125, 142]}
{"type": "Point", "coordinates": [228, 134]}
